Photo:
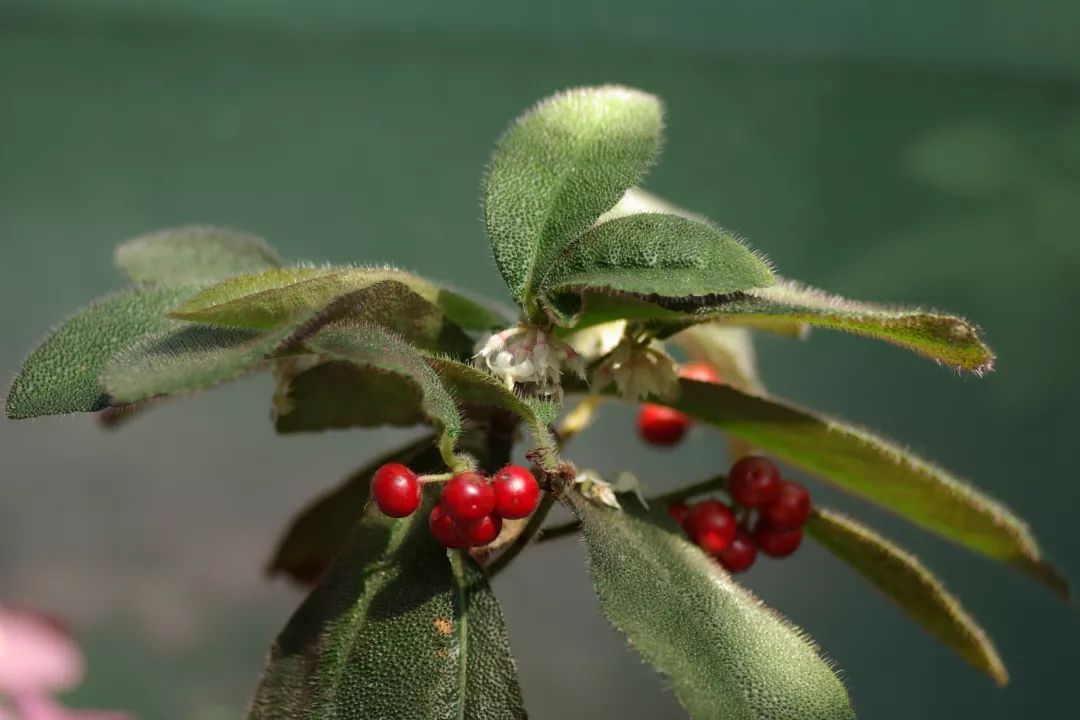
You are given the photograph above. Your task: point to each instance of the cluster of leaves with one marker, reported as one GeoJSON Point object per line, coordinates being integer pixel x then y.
{"type": "Point", "coordinates": [399, 627]}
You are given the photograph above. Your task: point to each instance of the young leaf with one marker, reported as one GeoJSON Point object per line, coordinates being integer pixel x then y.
{"type": "Point", "coordinates": [61, 375]}
{"type": "Point", "coordinates": [558, 167]}
{"type": "Point", "coordinates": [321, 530]}
{"type": "Point", "coordinates": [267, 299]}
{"type": "Point", "coordinates": [665, 256]}
{"type": "Point", "coordinates": [394, 630]}
{"type": "Point", "coordinates": [872, 468]}
{"type": "Point", "coordinates": [193, 254]}
{"type": "Point", "coordinates": [905, 581]}
{"type": "Point", "coordinates": [725, 654]}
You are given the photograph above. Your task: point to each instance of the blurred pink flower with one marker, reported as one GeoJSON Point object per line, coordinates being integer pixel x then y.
{"type": "Point", "coordinates": [41, 707]}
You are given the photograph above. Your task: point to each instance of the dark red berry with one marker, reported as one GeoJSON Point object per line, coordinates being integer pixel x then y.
{"type": "Point", "coordinates": [700, 371]}
{"type": "Point", "coordinates": [791, 508]}
{"type": "Point", "coordinates": [444, 529]}
{"type": "Point", "coordinates": [660, 425]}
{"type": "Point", "coordinates": [516, 492]}
{"type": "Point", "coordinates": [754, 481]}
{"type": "Point", "coordinates": [777, 543]}
{"type": "Point", "coordinates": [678, 512]}
{"type": "Point", "coordinates": [467, 496]}
{"type": "Point", "coordinates": [740, 555]}
{"type": "Point", "coordinates": [396, 490]}
{"type": "Point", "coordinates": [711, 525]}
{"type": "Point", "coordinates": [480, 532]}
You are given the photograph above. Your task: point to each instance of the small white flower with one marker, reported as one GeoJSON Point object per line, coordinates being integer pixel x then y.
{"type": "Point", "coordinates": [638, 371]}
{"type": "Point", "coordinates": [528, 355]}
{"type": "Point", "coordinates": [598, 340]}
{"type": "Point", "coordinates": [594, 488]}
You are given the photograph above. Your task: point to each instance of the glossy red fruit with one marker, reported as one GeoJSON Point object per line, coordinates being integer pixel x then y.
{"type": "Point", "coordinates": [791, 508]}
{"type": "Point", "coordinates": [700, 371]}
{"type": "Point", "coordinates": [754, 481]}
{"type": "Point", "coordinates": [678, 512]}
{"type": "Point", "coordinates": [740, 555]}
{"type": "Point", "coordinates": [396, 490]}
{"type": "Point", "coordinates": [480, 532]}
{"type": "Point", "coordinates": [445, 529]}
{"type": "Point", "coordinates": [660, 425]}
{"type": "Point", "coordinates": [777, 543]}
{"type": "Point", "coordinates": [711, 525]}
{"type": "Point", "coordinates": [467, 496]}
{"type": "Point", "coordinates": [516, 492]}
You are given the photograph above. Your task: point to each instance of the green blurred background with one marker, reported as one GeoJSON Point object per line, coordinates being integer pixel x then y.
{"type": "Point", "coordinates": [921, 152]}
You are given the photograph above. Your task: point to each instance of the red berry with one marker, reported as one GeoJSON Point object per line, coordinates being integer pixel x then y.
{"type": "Point", "coordinates": [791, 508]}
{"type": "Point", "coordinates": [700, 371]}
{"type": "Point", "coordinates": [660, 425]}
{"type": "Point", "coordinates": [678, 512]}
{"type": "Point", "coordinates": [444, 529]}
{"type": "Point", "coordinates": [740, 555]}
{"type": "Point", "coordinates": [516, 492]}
{"type": "Point", "coordinates": [480, 532]}
{"type": "Point", "coordinates": [777, 543]}
{"type": "Point", "coordinates": [754, 481]}
{"type": "Point", "coordinates": [467, 496]}
{"type": "Point", "coordinates": [711, 525]}
{"type": "Point", "coordinates": [396, 490]}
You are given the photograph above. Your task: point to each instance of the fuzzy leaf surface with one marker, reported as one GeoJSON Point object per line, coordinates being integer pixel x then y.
{"type": "Point", "coordinates": [908, 583]}
{"type": "Point", "coordinates": [872, 468]}
{"type": "Point", "coordinates": [394, 629]}
{"type": "Point", "coordinates": [193, 254]}
{"type": "Point", "coordinates": [270, 298]}
{"type": "Point", "coordinates": [558, 168]}
{"type": "Point", "coordinates": [652, 254]}
{"type": "Point", "coordinates": [61, 375]}
{"type": "Point", "coordinates": [725, 654]}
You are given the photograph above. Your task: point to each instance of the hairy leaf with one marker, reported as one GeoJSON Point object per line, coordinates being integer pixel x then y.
{"type": "Point", "coordinates": [61, 375]}
{"type": "Point", "coordinates": [662, 256]}
{"type": "Point", "coordinates": [322, 529]}
{"type": "Point", "coordinates": [558, 167]}
{"type": "Point", "coordinates": [394, 630]}
{"type": "Point", "coordinates": [905, 581]}
{"type": "Point", "coordinates": [872, 468]}
{"type": "Point", "coordinates": [725, 654]}
{"type": "Point", "coordinates": [267, 299]}
{"type": "Point", "coordinates": [193, 254]}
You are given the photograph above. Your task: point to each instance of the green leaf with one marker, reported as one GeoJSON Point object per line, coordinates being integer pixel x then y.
{"type": "Point", "coordinates": [725, 654]}
{"type": "Point", "coordinates": [267, 299]}
{"type": "Point", "coordinates": [61, 375]}
{"type": "Point", "coordinates": [193, 254]}
{"type": "Point", "coordinates": [394, 630]}
{"type": "Point", "coordinates": [905, 581]}
{"type": "Point", "coordinates": [322, 529]}
{"type": "Point", "coordinates": [872, 468]}
{"type": "Point", "coordinates": [558, 167]}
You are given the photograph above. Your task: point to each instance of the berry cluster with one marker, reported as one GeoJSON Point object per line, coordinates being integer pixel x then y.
{"type": "Point", "coordinates": [471, 508]}
{"type": "Point", "coordinates": [781, 509]}
{"type": "Point", "coordinates": [659, 424]}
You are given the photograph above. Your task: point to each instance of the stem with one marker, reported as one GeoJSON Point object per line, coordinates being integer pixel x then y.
{"type": "Point", "coordinates": [525, 537]}
{"type": "Point", "coordinates": [569, 528]}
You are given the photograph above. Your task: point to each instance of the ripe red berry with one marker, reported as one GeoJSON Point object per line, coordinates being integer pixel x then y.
{"type": "Point", "coordinates": [660, 425]}
{"type": "Point", "coordinates": [467, 496]}
{"type": "Point", "coordinates": [754, 481]}
{"type": "Point", "coordinates": [711, 525]}
{"type": "Point", "coordinates": [480, 532]}
{"type": "Point", "coordinates": [700, 371]}
{"type": "Point", "coordinates": [791, 508]}
{"type": "Point", "coordinates": [777, 543]}
{"type": "Point", "coordinates": [444, 529]}
{"type": "Point", "coordinates": [740, 555]}
{"type": "Point", "coordinates": [678, 512]}
{"type": "Point", "coordinates": [516, 492]}
{"type": "Point", "coordinates": [396, 490]}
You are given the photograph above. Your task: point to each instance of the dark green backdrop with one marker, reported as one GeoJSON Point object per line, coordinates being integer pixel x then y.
{"type": "Point", "coordinates": [910, 152]}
